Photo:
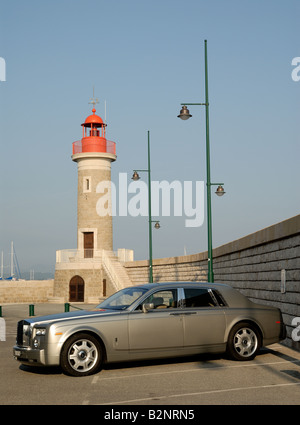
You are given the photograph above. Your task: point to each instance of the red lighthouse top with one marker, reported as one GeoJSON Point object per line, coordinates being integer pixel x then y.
{"type": "Point", "coordinates": [93, 137]}
{"type": "Point", "coordinates": [94, 120]}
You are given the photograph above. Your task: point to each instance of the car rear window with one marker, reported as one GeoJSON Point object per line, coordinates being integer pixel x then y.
{"type": "Point", "coordinates": [196, 297]}
{"type": "Point", "coordinates": [219, 298]}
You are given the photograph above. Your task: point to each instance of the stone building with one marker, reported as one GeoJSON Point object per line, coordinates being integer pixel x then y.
{"type": "Point", "coordinates": [92, 270]}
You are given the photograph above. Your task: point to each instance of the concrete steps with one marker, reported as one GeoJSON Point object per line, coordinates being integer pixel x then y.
{"type": "Point", "coordinates": [116, 271]}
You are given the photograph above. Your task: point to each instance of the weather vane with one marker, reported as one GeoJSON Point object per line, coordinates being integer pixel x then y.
{"type": "Point", "coordinates": [94, 100]}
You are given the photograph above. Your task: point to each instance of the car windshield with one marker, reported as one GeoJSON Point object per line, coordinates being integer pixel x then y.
{"type": "Point", "coordinates": [122, 299]}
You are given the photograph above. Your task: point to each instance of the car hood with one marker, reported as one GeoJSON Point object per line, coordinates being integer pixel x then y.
{"type": "Point", "coordinates": [59, 317]}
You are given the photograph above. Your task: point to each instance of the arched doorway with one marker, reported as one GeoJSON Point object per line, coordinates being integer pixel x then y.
{"type": "Point", "coordinates": [76, 289]}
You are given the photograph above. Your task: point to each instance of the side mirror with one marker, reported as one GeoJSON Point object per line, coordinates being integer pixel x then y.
{"type": "Point", "coordinates": [147, 307]}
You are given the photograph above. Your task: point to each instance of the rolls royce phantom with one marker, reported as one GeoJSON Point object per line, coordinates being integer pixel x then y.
{"type": "Point", "coordinates": [147, 322]}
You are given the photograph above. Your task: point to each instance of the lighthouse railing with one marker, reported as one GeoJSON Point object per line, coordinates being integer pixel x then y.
{"type": "Point", "coordinates": [110, 147]}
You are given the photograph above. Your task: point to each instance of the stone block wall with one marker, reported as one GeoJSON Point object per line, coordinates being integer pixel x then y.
{"type": "Point", "coordinates": [96, 169]}
{"type": "Point", "coordinates": [185, 268]}
{"type": "Point", "coordinates": [27, 291]}
{"type": "Point", "coordinates": [93, 284]}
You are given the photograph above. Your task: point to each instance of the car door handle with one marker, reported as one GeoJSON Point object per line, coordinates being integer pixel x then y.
{"type": "Point", "coordinates": [183, 313]}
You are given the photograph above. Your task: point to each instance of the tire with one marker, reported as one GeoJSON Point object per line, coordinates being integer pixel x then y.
{"type": "Point", "coordinates": [244, 342]}
{"type": "Point", "coordinates": [81, 355]}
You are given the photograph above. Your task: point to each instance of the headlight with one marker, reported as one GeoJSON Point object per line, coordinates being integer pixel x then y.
{"type": "Point", "coordinates": [41, 331]}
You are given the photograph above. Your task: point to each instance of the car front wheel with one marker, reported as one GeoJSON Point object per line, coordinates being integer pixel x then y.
{"type": "Point", "coordinates": [244, 342]}
{"type": "Point", "coordinates": [81, 355]}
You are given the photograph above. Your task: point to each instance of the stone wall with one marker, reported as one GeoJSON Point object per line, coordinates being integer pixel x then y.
{"type": "Point", "coordinates": [27, 291]}
{"type": "Point", "coordinates": [253, 264]}
{"type": "Point", "coordinates": [93, 284]}
{"type": "Point", "coordinates": [56, 290]}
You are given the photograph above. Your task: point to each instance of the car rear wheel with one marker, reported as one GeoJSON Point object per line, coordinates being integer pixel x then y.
{"type": "Point", "coordinates": [244, 342]}
{"type": "Point", "coordinates": [81, 355]}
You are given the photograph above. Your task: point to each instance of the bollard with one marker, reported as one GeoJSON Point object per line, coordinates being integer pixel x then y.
{"type": "Point", "coordinates": [31, 310]}
{"type": "Point", "coordinates": [67, 307]}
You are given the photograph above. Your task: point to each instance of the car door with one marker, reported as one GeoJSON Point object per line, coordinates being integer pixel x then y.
{"type": "Point", "coordinates": [203, 320]}
{"type": "Point", "coordinates": [159, 328]}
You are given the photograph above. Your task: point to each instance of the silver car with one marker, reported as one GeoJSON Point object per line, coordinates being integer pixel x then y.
{"type": "Point", "coordinates": [147, 322]}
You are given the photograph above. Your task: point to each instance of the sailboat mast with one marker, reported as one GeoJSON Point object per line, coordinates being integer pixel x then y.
{"type": "Point", "coordinates": [12, 260]}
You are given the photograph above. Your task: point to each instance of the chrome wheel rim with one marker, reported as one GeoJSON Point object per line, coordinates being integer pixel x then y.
{"type": "Point", "coordinates": [245, 342]}
{"type": "Point", "coordinates": [82, 355]}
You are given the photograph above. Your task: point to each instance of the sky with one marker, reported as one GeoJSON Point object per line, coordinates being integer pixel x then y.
{"type": "Point", "coordinates": [143, 60]}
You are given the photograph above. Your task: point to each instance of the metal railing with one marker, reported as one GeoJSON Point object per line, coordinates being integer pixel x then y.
{"type": "Point", "coordinates": [75, 255]}
{"type": "Point", "coordinates": [109, 147]}
{"type": "Point", "coordinates": [68, 305]}
{"type": "Point", "coordinates": [31, 312]}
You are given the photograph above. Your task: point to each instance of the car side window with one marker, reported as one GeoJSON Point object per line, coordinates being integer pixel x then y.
{"type": "Point", "coordinates": [197, 297]}
{"type": "Point", "coordinates": [162, 299]}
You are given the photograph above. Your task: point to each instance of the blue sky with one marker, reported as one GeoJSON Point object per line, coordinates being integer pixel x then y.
{"type": "Point", "coordinates": [144, 59]}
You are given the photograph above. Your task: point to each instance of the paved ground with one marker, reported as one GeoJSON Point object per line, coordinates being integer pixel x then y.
{"type": "Point", "coordinates": [273, 378]}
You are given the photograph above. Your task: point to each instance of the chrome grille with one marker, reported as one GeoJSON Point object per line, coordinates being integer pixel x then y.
{"type": "Point", "coordinates": [23, 333]}
{"type": "Point", "coordinates": [20, 333]}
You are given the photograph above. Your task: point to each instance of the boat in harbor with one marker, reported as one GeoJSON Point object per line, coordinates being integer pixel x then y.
{"type": "Point", "coordinates": [14, 266]}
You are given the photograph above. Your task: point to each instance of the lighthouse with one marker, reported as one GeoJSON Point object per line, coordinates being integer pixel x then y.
{"type": "Point", "coordinates": [92, 270]}
{"type": "Point", "coordinates": [93, 155]}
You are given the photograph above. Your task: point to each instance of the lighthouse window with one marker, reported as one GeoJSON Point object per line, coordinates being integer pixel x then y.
{"type": "Point", "coordinates": [87, 184]}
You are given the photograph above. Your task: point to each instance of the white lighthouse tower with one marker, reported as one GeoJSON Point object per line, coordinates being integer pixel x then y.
{"type": "Point", "coordinates": [94, 155]}
{"type": "Point", "coordinates": [91, 271]}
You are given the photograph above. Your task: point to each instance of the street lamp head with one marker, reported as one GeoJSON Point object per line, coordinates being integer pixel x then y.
{"type": "Point", "coordinates": [135, 176]}
{"type": "Point", "coordinates": [184, 113]}
{"type": "Point", "coordinates": [220, 191]}
{"type": "Point", "coordinates": [157, 225]}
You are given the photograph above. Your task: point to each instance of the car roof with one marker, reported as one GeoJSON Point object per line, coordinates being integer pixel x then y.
{"type": "Point", "coordinates": [233, 297]}
{"type": "Point", "coordinates": [183, 284]}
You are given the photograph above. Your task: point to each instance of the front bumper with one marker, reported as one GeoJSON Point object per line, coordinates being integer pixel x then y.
{"type": "Point", "coordinates": [29, 356]}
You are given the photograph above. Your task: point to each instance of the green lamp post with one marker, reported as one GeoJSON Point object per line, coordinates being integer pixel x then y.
{"type": "Point", "coordinates": [184, 115]}
{"type": "Point", "coordinates": [136, 177]}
